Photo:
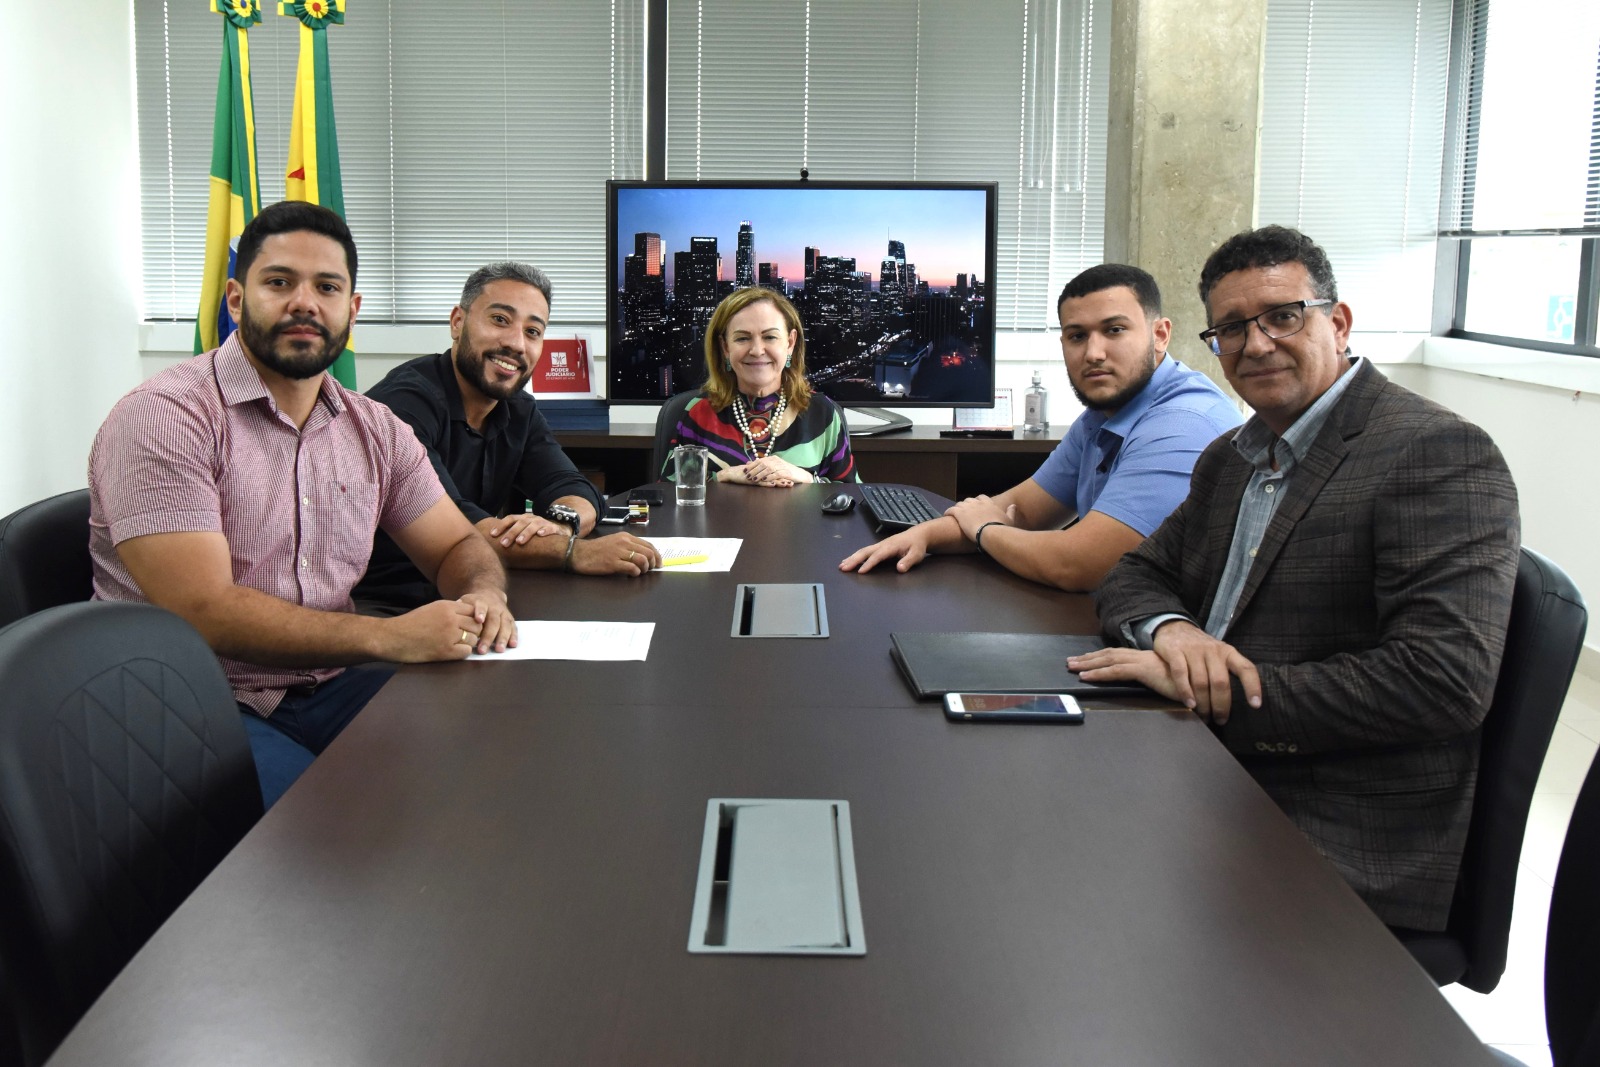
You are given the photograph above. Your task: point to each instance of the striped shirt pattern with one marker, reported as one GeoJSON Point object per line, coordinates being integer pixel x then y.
{"type": "Point", "coordinates": [1260, 448]}
{"type": "Point", "coordinates": [817, 440]}
{"type": "Point", "coordinates": [202, 447]}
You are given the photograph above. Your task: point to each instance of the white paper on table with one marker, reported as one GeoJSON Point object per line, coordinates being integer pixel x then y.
{"type": "Point", "coordinates": [544, 639]}
{"type": "Point", "coordinates": [721, 550]}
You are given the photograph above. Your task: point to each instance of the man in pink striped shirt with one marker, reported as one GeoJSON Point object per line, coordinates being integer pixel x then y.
{"type": "Point", "coordinates": [241, 490]}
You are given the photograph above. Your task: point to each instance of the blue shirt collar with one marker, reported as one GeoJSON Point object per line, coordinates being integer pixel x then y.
{"type": "Point", "coordinates": [1131, 412]}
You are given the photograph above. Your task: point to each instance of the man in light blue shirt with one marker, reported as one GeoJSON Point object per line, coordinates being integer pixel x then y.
{"type": "Point", "coordinates": [1122, 467]}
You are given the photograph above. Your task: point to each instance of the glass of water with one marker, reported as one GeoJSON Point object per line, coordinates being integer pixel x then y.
{"type": "Point", "coordinates": [690, 466]}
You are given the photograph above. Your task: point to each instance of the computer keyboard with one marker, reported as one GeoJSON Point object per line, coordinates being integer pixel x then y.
{"type": "Point", "coordinates": [894, 508]}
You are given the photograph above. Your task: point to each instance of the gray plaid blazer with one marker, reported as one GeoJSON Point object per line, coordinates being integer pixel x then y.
{"type": "Point", "coordinates": [1376, 613]}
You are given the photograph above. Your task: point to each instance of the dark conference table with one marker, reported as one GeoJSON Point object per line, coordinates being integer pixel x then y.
{"type": "Point", "coordinates": [495, 864]}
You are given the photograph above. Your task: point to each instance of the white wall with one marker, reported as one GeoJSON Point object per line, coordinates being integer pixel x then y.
{"type": "Point", "coordinates": [69, 231]}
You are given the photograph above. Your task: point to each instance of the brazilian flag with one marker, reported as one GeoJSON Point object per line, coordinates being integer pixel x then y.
{"type": "Point", "coordinates": [235, 189]}
{"type": "Point", "coordinates": [313, 173]}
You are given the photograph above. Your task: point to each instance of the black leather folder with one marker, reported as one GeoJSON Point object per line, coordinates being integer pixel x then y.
{"type": "Point", "coordinates": [938, 663]}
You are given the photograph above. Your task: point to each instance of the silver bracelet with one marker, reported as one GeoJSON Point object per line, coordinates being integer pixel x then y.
{"type": "Point", "coordinates": [572, 543]}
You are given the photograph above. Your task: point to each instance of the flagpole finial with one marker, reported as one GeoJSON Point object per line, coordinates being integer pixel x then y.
{"type": "Point", "coordinates": [313, 14]}
{"type": "Point", "coordinates": [241, 13]}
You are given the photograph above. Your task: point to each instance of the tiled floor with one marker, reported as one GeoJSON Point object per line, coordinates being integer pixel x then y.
{"type": "Point", "coordinates": [1512, 1017]}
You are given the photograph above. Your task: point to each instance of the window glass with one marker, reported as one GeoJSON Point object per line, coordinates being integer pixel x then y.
{"type": "Point", "coordinates": [1523, 287]}
{"type": "Point", "coordinates": [1535, 114]}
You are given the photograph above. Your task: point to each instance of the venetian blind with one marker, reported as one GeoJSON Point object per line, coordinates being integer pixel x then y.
{"type": "Point", "coordinates": [1013, 92]}
{"type": "Point", "coordinates": [1353, 107]}
{"type": "Point", "coordinates": [1525, 154]}
{"type": "Point", "coordinates": [468, 131]}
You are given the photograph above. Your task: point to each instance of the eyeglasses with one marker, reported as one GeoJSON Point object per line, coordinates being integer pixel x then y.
{"type": "Point", "coordinates": [1285, 320]}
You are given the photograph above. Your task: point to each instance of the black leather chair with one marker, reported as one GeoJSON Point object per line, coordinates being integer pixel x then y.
{"type": "Point", "coordinates": [1572, 941]}
{"type": "Point", "coordinates": [44, 556]}
{"type": "Point", "coordinates": [666, 419]}
{"type": "Point", "coordinates": [125, 777]}
{"type": "Point", "coordinates": [10, 1049]}
{"type": "Point", "coordinates": [1548, 620]}
{"type": "Point", "coordinates": [1572, 944]}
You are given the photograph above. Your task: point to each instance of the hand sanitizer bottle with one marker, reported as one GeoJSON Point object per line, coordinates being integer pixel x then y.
{"type": "Point", "coordinates": [1035, 407]}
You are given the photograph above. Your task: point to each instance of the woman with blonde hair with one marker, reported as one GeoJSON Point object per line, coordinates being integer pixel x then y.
{"type": "Point", "coordinates": [756, 413]}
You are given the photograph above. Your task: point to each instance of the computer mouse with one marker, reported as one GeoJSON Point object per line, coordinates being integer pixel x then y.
{"type": "Point", "coordinates": [838, 504]}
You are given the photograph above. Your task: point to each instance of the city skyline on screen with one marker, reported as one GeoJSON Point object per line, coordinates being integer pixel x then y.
{"type": "Point", "coordinates": [943, 231]}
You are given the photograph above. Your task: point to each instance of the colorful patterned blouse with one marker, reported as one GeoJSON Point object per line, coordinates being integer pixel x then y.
{"type": "Point", "coordinates": [818, 440]}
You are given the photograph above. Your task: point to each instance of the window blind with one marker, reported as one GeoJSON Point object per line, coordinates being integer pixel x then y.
{"type": "Point", "coordinates": [468, 131]}
{"type": "Point", "coordinates": [1591, 200]}
{"type": "Point", "coordinates": [1353, 105]}
{"type": "Point", "coordinates": [1525, 155]}
{"type": "Point", "coordinates": [1013, 92]}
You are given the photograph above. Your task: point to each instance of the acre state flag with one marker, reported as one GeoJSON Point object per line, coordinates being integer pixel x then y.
{"type": "Point", "coordinates": [313, 173]}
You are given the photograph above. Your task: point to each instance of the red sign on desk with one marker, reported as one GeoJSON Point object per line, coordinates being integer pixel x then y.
{"type": "Point", "coordinates": [563, 370]}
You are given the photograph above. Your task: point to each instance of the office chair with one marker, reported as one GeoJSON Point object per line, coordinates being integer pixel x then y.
{"type": "Point", "coordinates": [125, 777]}
{"type": "Point", "coordinates": [666, 421]}
{"type": "Point", "coordinates": [1572, 942]}
{"type": "Point", "coordinates": [10, 1049]}
{"type": "Point", "coordinates": [1543, 638]}
{"type": "Point", "coordinates": [44, 556]}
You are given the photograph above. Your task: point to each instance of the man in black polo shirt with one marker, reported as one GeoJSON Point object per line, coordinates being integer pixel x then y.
{"type": "Point", "coordinates": [492, 449]}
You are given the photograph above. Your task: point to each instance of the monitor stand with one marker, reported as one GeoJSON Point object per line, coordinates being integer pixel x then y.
{"type": "Point", "coordinates": [891, 423]}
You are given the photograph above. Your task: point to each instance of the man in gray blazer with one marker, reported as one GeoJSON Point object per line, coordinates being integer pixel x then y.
{"type": "Point", "coordinates": [1333, 594]}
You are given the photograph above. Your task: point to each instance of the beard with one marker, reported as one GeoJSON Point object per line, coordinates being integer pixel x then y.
{"type": "Point", "coordinates": [1123, 395]}
{"type": "Point", "coordinates": [262, 342]}
{"type": "Point", "coordinates": [469, 362]}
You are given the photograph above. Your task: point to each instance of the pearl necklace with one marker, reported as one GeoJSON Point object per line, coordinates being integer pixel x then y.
{"type": "Point", "coordinates": [770, 434]}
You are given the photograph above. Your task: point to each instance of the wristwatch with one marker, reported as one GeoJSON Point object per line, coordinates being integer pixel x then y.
{"type": "Point", "coordinates": [564, 515]}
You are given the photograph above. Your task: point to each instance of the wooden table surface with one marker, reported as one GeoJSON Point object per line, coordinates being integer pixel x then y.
{"type": "Point", "coordinates": [495, 863]}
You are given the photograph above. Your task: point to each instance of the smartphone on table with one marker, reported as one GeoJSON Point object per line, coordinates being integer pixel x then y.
{"type": "Point", "coordinates": [616, 515]}
{"type": "Point", "coordinates": [1012, 707]}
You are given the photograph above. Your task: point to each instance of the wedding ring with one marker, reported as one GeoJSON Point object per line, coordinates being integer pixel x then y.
{"type": "Point", "coordinates": [466, 638]}
{"type": "Point", "coordinates": [630, 556]}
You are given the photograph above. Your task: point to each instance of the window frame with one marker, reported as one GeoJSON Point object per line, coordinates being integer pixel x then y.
{"type": "Point", "coordinates": [1466, 94]}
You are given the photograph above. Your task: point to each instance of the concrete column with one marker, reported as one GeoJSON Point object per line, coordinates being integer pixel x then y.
{"type": "Point", "coordinates": [1185, 128]}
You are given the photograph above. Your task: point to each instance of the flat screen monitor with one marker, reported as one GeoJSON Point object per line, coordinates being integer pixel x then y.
{"type": "Point", "coordinates": [894, 283]}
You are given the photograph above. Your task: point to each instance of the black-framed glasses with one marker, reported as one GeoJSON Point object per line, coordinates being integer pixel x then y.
{"type": "Point", "coordinates": [1285, 320]}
